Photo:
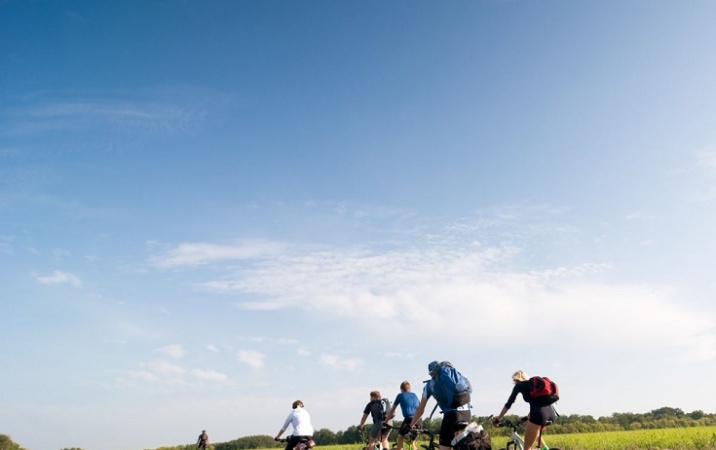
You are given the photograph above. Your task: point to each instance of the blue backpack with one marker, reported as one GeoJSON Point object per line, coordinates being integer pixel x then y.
{"type": "Point", "coordinates": [450, 388]}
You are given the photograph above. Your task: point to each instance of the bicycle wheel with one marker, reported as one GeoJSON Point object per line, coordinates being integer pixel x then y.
{"type": "Point", "coordinates": [511, 446]}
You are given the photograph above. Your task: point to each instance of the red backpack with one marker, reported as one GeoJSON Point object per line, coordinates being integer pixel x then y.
{"type": "Point", "coordinates": [543, 390]}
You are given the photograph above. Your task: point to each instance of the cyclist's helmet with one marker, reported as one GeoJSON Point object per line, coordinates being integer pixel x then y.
{"type": "Point", "coordinates": [433, 367]}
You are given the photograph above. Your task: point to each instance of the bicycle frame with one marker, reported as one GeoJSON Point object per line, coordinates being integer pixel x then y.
{"type": "Point", "coordinates": [516, 442]}
{"type": "Point", "coordinates": [431, 445]}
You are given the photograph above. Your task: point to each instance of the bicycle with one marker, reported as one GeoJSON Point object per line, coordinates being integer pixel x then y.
{"type": "Point", "coordinates": [516, 442]}
{"type": "Point", "coordinates": [304, 443]}
{"type": "Point", "coordinates": [378, 444]}
{"type": "Point", "coordinates": [409, 440]}
{"type": "Point", "coordinates": [431, 445]}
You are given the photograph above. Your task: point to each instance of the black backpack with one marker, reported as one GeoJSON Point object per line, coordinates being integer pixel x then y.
{"type": "Point", "coordinates": [475, 440]}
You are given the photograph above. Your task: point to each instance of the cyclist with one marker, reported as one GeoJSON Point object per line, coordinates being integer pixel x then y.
{"type": "Point", "coordinates": [300, 420]}
{"type": "Point", "coordinates": [409, 403]}
{"type": "Point", "coordinates": [453, 416]}
{"type": "Point", "coordinates": [539, 416]}
{"type": "Point", "coordinates": [375, 408]}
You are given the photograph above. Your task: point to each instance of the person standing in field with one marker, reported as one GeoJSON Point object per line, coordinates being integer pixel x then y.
{"type": "Point", "coordinates": [202, 441]}
{"type": "Point", "coordinates": [408, 402]}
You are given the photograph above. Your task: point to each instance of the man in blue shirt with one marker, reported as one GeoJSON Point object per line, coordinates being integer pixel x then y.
{"type": "Point", "coordinates": [409, 403]}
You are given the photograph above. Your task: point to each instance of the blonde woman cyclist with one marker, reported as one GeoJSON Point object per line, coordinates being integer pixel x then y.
{"type": "Point", "coordinates": [540, 415]}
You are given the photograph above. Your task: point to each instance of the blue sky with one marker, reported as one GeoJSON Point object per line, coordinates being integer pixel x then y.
{"type": "Point", "coordinates": [211, 209]}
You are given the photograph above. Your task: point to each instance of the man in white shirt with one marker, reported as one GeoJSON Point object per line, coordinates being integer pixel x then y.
{"type": "Point", "coordinates": [301, 422]}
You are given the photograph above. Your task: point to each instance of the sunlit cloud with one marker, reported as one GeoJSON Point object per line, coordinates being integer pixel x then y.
{"type": "Point", "coordinates": [59, 277]}
{"type": "Point", "coordinates": [419, 289]}
{"type": "Point", "coordinates": [251, 358]}
{"type": "Point", "coordinates": [212, 348]}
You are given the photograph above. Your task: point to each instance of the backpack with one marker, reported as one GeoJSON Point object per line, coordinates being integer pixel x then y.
{"type": "Point", "coordinates": [383, 407]}
{"type": "Point", "coordinates": [475, 440]}
{"type": "Point", "coordinates": [543, 391]}
{"type": "Point", "coordinates": [450, 388]}
{"type": "Point", "coordinates": [305, 444]}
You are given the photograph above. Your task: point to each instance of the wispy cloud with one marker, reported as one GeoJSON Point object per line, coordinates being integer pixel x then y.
{"type": "Point", "coordinates": [210, 375]}
{"type": "Point", "coordinates": [59, 277]}
{"type": "Point", "coordinates": [706, 162]}
{"type": "Point", "coordinates": [78, 114]}
{"type": "Point", "coordinates": [143, 376]}
{"type": "Point", "coordinates": [251, 358]}
{"type": "Point", "coordinates": [174, 351]}
{"type": "Point", "coordinates": [197, 254]}
{"type": "Point", "coordinates": [164, 368]}
{"type": "Point", "coordinates": [340, 363]}
{"type": "Point", "coordinates": [423, 288]}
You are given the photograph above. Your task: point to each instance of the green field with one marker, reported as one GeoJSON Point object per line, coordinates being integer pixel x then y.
{"type": "Point", "coordinates": [701, 438]}
{"type": "Point", "coordinates": [671, 438]}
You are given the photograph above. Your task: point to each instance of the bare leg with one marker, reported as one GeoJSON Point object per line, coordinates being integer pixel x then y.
{"type": "Point", "coordinates": [371, 443]}
{"type": "Point", "coordinates": [531, 433]}
{"type": "Point", "coordinates": [386, 444]}
{"type": "Point", "coordinates": [400, 442]}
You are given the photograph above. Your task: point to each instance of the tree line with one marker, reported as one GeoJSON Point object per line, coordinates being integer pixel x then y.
{"type": "Point", "coordinates": [665, 417]}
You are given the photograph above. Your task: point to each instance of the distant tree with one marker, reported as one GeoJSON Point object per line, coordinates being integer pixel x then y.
{"type": "Point", "coordinates": [324, 436]}
{"type": "Point", "coordinates": [667, 412]}
{"type": "Point", "coordinates": [247, 442]}
{"type": "Point", "coordinates": [7, 444]}
{"type": "Point", "coordinates": [350, 436]}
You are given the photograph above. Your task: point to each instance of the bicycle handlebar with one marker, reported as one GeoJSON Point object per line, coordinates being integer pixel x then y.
{"type": "Point", "coordinates": [514, 424]}
{"type": "Point", "coordinates": [423, 430]}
